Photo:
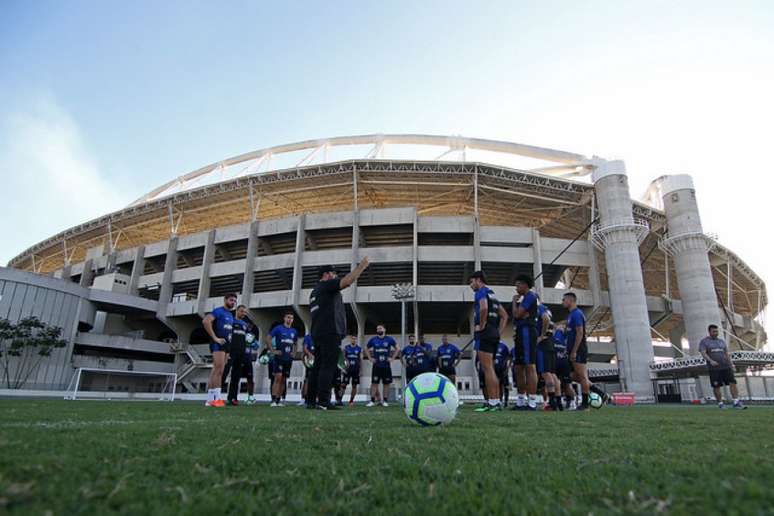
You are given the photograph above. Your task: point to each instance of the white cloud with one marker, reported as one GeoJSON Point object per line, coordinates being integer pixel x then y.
{"type": "Point", "coordinates": [51, 179]}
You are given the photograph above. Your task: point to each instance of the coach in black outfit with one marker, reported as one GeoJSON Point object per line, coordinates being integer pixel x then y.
{"type": "Point", "coordinates": [329, 326]}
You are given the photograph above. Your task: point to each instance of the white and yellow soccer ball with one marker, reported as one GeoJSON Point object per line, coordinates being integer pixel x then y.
{"type": "Point", "coordinates": [431, 399]}
{"type": "Point", "coordinates": [595, 400]}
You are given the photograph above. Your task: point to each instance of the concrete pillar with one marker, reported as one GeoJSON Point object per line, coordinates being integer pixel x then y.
{"type": "Point", "coordinates": [689, 248]}
{"type": "Point", "coordinates": [298, 270]}
{"type": "Point", "coordinates": [357, 310]}
{"type": "Point", "coordinates": [87, 275]}
{"type": "Point", "coordinates": [204, 279]}
{"type": "Point", "coordinates": [415, 278]}
{"type": "Point", "coordinates": [249, 277]}
{"type": "Point", "coordinates": [138, 267]}
{"type": "Point", "coordinates": [165, 292]}
{"type": "Point", "coordinates": [594, 281]}
{"type": "Point", "coordinates": [620, 238]}
{"type": "Point", "coordinates": [537, 262]}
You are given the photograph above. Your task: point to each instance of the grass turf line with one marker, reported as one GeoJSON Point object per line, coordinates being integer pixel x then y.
{"type": "Point", "coordinates": [91, 457]}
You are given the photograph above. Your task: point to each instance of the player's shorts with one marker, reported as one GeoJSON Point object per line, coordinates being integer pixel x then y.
{"type": "Point", "coordinates": [502, 376]}
{"type": "Point", "coordinates": [563, 370]}
{"type": "Point", "coordinates": [721, 377]}
{"type": "Point", "coordinates": [525, 341]}
{"type": "Point", "coordinates": [448, 371]}
{"type": "Point", "coordinates": [581, 357]}
{"type": "Point", "coordinates": [488, 340]}
{"type": "Point", "coordinates": [214, 346]}
{"type": "Point", "coordinates": [280, 367]}
{"type": "Point", "coordinates": [381, 375]}
{"type": "Point", "coordinates": [247, 370]}
{"type": "Point", "coordinates": [545, 359]}
{"type": "Point", "coordinates": [351, 375]}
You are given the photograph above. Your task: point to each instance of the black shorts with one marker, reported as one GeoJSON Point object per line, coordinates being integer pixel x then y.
{"type": "Point", "coordinates": [448, 371]}
{"type": "Point", "coordinates": [381, 374]}
{"type": "Point", "coordinates": [351, 375]}
{"type": "Point", "coordinates": [545, 358]}
{"type": "Point", "coordinates": [525, 341]}
{"type": "Point", "coordinates": [247, 369]}
{"type": "Point", "coordinates": [721, 377]}
{"type": "Point", "coordinates": [488, 340]}
{"type": "Point", "coordinates": [563, 371]}
{"type": "Point", "coordinates": [283, 367]}
{"type": "Point", "coordinates": [581, 357]}
{"type": "Point", "coordinates": [502, 376]}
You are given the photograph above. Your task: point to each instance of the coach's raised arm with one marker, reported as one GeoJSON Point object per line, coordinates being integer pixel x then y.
{"type": "Point", "coordinates": [329, 326]}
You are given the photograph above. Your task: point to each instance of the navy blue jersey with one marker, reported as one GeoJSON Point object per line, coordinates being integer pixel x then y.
{"type": "Point", "coordinates": [308, 343]}
{"type": "Point", "coordinates": [284, 339]}
{"type": "Point", "coordinates": [239, 337]}
{"type": "Point", "coordinates": [352, 355]}
{"type": "Point", "coordinates": [223, 323]}
{"type": "Point", "coordinates": [529, 303]}
{"type": "Point", "coordinates": [576, 322]}
{"type": "Point", "coordinates": [541, 310]}
{"type": "Point", "coordinates": [416, 356]}
{"type": "Point", "coordinates": [381, 349]}
{"type": "Point", "coordinates": [501, 356]}
{"type": "Point", "coordinates": [493, 315]}
{"type": "Point", "coordinates": [447, 355]}
{"type": "Point", "coordinates": [560, 344]}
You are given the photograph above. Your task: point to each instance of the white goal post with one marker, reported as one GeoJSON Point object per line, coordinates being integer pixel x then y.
{"type": "Point", "coordinates": [120, 384]}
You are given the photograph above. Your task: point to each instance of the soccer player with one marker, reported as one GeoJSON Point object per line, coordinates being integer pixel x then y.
{"type": "Point", "coordinates": [380, 350]}
{"type": "Point", "coordinates": [414, 359]}
{"type": "Point", "coordinates": [430, 361]}
{"type": "Point", "coordinates": [562, 367]}
{"type": "Point", "coordinates": [329, 326]}
{"type": "Point", "coordinates": [237, 352]}
{"type": "Point", "coordinates": [577, 348]}
{"type": "Point", "coordinates": [525, 318]}
{"type": "Point", "coordinates": [282, 342]}
{"type": "Point", "coordinates": [448, 358]}
{"type": "Point", "coordinates": [721, 368]}
{"type": "Point", "coordinates": [501, 360]}
{"type": "Point", "coordinates": [545, 359]}
{"type": "Point", "coordinates": [308, 358]}
{"type": "Point", "coordinates": [218, 325]}
{"type": "Point", "coordinates": [490, 319]}
{"type": "Point", "coordinates": [353, 355]}
{"type": "Point", "coordinates": [248, 365]}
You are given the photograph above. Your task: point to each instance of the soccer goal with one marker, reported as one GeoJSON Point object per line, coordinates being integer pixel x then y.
{"type": "Point", "coordinates": [118, 384]}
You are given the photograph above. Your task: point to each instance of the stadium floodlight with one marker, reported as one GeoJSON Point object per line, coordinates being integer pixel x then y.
{"type": "Point", "coordinates": [403, 292]}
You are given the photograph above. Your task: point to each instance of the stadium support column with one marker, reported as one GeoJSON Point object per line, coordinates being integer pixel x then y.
{"type": "Point", "coordinates": [537, 262]}
{"type": "Point", "coordinates": [415, 276]}
{"type": "Point", "coordinates": [689, 248]}
{"type": "Point", "coordinates": [204, 278]}
{"type": "Point", "coordinates": [620, 236]}
{"type": "Point", "coordinates": [356, 309]}
{"type": "Point", "coordinates": [249, 277]}
{"type": "Point", "coordinates": [298, 274]}
{"type": "Point", "coordinates": [165, 291]}
{"type": "Point", "coordinates": [87, 274]}
{"type": "Point", "coordinates": [138, 267]}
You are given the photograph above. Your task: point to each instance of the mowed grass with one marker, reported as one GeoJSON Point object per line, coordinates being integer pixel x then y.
{"type": "Point", "coordinates": [91, 457]}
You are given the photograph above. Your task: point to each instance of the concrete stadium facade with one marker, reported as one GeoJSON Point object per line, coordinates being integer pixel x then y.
{"type": "Point", "coordinates": [142, 278]}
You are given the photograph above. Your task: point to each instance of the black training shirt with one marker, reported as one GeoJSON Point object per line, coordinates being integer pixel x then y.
{"type": "Point", "coordinates": [328, 316]}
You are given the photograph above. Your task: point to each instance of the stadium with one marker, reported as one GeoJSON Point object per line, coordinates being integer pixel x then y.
{"type": "Point", "coordinates": [130, 288]}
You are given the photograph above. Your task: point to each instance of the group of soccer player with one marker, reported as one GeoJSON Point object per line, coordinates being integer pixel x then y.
{"type": "Point", "coordinates": [546, 357]}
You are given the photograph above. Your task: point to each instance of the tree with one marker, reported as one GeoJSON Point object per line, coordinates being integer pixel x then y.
{"type": "Point", "coordinates": [23, 346]}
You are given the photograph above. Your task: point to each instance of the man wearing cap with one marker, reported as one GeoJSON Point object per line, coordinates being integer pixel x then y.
{"type": "Point", "coordinates": [329, 326]}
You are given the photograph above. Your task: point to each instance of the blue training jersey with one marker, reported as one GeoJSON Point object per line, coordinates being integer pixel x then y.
{"type": "Point", "coordinates": [352, 355]}
{"type": "Point", "coordinates": [284, 339]}
{"type": "Point", "coordinates": [416, 356]}
{"type": "Point", "coordinates": [530, 303]}
{"type": "Point", "coordinates": [308, 344]}
{"type": "Point", "coordinates": [447, 355]}
{"type": "Point", "coordinates": [560, 344]}
{"type": "Point", "coordinates": [381, 349]}
{"type": "Point", "coordinates": [501, 356]}
{"type": "Point", "coordinates": [223, 323]}
{"type": "Point", "coordinates": [493, 317]}
{"type": "Point", "coordinates": [576, 322]}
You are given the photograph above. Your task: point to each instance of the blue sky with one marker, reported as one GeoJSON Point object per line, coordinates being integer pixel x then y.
{"type": "Point", "coordinates": [110, 99]}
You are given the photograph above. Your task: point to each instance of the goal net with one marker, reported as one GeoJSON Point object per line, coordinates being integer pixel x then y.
{"type": "Point", "coordinates": [117, 384]}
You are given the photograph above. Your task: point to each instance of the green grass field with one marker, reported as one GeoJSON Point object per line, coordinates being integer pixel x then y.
{"type": "Point", "coordinates": [91, 457]}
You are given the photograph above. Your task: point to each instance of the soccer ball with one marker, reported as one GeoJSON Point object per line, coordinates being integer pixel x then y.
{"type": "Point", "coordinates": [264, 359]}
{"type": "Point", "coordinates": [430, 399]}
{"type": "Point", "coordinates": [595, 400]}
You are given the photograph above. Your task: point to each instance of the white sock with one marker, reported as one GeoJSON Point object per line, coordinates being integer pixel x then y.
{"type": "Point", "coordinates": [217, 393]}
{"type": "Point", "coordinates": [736, 400]}
{"type": "Point", "coordinates": [211, 394]}
{"type": "Point", "coordinates": [494, 403]}
{"type": "Point", "coordinates": [532, 400]}
{"type": "Point", "coordinates": [520, 400]}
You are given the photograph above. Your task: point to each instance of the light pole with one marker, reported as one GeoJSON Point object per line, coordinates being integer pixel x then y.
{"type": "Point", "coordinates": [403, 292]}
